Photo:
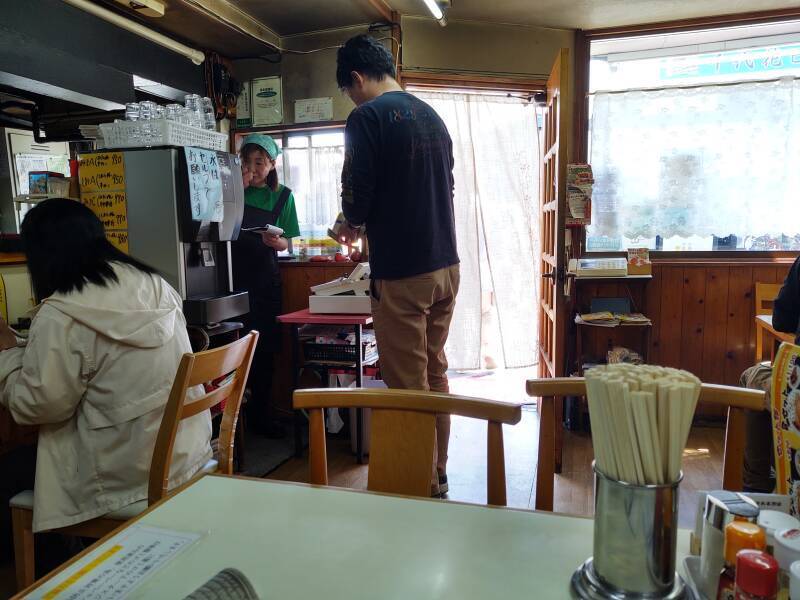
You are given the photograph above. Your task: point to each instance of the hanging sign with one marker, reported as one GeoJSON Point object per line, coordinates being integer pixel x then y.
{"type": "Point", "coordinates": [244, 116]}
{"type": "Point", "coordinates": [205, 185]}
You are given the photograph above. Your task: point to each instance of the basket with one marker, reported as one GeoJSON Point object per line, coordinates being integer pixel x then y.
{"type": "Point", "coordinates": [336, 352]}
{"type": "Point", "coordinates": [140, 134]}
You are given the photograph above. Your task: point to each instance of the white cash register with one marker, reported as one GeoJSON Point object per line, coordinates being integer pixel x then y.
{"type": "Point", "coordinates": [343, 296]}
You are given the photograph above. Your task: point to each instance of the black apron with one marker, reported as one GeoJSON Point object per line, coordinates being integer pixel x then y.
{"type": "Point", "coordinates": [256, 271]}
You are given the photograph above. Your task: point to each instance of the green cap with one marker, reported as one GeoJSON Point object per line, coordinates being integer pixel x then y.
{"type": "Point", "coordinates": [265, 142]}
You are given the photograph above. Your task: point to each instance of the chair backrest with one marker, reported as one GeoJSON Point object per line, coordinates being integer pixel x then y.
{"type": "Point", "coordinates": [736, 399]}
{"type": "Point", "coordinates": [765, 296]}
{"type": "Point", "coordinates": [200, 368]}
{"type": "Point", "coordinates": [403, 435]}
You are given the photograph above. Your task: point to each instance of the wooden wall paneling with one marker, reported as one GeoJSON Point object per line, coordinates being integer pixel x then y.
{"type": "Point", "coordinates": [716, 325]}
{"type": "Point", "coordinates": [693, 297]}
{"type": "Point", "coordinates": [671, 316]}
{"type": "Point", "coordinates": [652, 308]}
{"type": "Point", "coordinates": [739, 353]}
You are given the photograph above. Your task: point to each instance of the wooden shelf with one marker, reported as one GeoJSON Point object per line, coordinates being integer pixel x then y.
{"type": "Point", "coordinates": [614, 278]}
{"type": "Point", "coordinates": [614, 326]}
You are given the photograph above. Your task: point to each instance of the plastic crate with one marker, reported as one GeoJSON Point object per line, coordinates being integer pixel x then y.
{"type": "Point", "coordinates": [141, 134]}
{"type": "Point", "coordinates": [335, 352]}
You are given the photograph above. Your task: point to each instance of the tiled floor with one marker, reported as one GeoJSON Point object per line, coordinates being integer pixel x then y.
{"type": "Point", "coordinates": [467, 463]}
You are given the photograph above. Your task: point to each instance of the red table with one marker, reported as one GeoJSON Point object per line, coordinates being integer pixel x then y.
{"type": "Point", "coordinates": [306, 317]}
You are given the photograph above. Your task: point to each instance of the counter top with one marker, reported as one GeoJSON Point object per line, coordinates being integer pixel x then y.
{"type": "Point", "coordinates": [12, 258]}
{"type": "Point", "coordinates": [308, 263]}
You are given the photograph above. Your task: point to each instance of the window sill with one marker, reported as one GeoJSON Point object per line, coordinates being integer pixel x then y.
{"type": "Point", "coordinates": [720, 258]}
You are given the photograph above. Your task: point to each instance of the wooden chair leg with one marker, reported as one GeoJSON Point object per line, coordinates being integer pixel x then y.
{"type": "Point", "coordinates": [239, 447]}
{"type": "Point", "coordinates": [496, 466]}
{"type": "Point", "coordinates": [317, 451]}
{"type": "Point", "coordinates": [733, 462]}
{"type": "Point", "coordinates": [558, 434]}
{"type": "Point", "coordinates": [546, 463]}
{"type": "Point", "coordinates": [759, 344]}
{"type": "Point", "coordinates": [22, 525]}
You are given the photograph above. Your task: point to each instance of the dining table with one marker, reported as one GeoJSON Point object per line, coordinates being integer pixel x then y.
{"type": "Point", "coordinates": [298, 541]}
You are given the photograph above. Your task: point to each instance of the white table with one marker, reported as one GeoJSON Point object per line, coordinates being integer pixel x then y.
{"type": "Point", "coordinates": [295, 541]}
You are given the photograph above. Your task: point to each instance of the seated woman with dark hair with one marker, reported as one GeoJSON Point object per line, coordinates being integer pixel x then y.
{"type": "Point", "coordinates": [96, 372]}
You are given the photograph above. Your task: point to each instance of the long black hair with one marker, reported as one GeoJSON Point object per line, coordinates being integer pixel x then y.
{"type": "Point", "coordinates": [66, 248]}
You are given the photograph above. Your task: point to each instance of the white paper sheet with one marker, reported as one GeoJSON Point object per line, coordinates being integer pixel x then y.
{"type": "Point", "coordinates": [120, 567]}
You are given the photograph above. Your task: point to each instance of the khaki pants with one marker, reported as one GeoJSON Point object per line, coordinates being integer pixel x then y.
{"type": "Point", "coordinates": [412, 319]}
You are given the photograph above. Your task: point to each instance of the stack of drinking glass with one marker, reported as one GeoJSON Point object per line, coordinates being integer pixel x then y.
{"type": "Point", "coordinates": [150, 124]}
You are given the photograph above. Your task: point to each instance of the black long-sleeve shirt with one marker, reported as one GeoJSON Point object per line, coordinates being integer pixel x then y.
{"type": "Point", "coordinates": [398, 180]}
{"type": "Point", "coordinates": [786, 309]}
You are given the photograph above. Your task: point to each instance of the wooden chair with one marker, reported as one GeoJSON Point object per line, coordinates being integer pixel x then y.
{"type": "Point", "coordinates": [403, 435]}
{"type": "Point", "coordinates": [736, 399]}
{"type": "Point", "coordinates": [193, 370]}
{"type": "Point", "coordinates": [765, 297]}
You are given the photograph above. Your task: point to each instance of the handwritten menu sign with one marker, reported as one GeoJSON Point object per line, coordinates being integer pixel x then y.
{"type": "Point", "coordinates": [102, 180]}
{"type": "Point", "coordinates": [205, 185]}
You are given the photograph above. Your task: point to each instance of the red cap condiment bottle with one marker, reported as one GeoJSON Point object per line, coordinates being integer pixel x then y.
{"type": "Point", "coordinates": [756, 576]}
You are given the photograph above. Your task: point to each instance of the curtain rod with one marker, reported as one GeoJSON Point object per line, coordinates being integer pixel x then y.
{"type": "Point", "coordinates": [693, 86]}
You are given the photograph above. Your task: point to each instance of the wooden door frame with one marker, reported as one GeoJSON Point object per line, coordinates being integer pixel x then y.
{"type": "Point", "coordinates": [551, 300]}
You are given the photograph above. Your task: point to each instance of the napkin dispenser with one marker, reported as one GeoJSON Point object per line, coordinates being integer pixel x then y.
{"type": "Point", "coordinates": [346, 295]}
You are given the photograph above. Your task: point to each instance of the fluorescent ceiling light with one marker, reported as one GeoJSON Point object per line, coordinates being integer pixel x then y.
{"type": "Point", "coordinates": [435, 9]}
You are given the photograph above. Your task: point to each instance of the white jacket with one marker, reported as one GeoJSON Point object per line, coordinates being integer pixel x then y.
{"type": "Point", "coordinates": [95, 376]}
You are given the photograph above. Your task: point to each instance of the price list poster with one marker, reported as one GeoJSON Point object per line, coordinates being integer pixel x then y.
{"type": "Point", "coordinates": [102, 181]}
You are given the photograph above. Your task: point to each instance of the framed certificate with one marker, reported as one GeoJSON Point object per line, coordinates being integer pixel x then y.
{"type": "Point", "coordinates": [267, 101]}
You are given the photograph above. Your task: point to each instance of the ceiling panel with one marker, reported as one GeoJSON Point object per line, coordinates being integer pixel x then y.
{"type": "Point", "coordinates": [301, 16]}
{"type": "Point", "coordinates": [589, 14]}
{"type": "Point", "coordinates": [194, 28]}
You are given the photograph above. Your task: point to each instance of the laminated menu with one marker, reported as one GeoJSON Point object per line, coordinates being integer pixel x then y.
{"type": "Point", "coordinates": [786, 423]}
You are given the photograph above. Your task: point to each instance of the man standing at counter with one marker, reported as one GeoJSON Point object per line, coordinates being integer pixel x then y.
{"type": "Point", "coordinates": [398, 181]}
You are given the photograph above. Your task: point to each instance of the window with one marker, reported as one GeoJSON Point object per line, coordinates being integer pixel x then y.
{"type": "Point", "coordinates": [695, 139]}
{"type": "Point", "coordinates": [311, 165]}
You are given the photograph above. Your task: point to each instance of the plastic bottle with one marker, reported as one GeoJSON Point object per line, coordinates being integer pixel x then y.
{"type": "Point", "coordinates": [787, 552]}
{"type": "Point", "coordinates": [738, 536]}
{"type": "Point", "coordinates": [756, 576]}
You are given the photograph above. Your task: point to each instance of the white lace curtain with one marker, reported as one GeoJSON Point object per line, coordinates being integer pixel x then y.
{"type": "Point", "coordinates": [712, 160]}
{"type": "Point", "coordinates": [495, 146]}
{"type": "Point", "coordinates": [314, 175]}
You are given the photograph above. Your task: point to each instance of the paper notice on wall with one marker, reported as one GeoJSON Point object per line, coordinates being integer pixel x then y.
{"type": "Point", "coordinates": [120, 566]}
{"type": "Point", "coordinates": [267, 101]}
{"type": "Point", "coordinates": [205, 185]}
{"type": "Point", "coordinates": [102, 182]}
{"type": "Point", "coordinates": [312, 110]}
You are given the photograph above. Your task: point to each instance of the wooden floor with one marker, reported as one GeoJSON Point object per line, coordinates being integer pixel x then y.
{"type": "Point", "coordinates": [574, 486]}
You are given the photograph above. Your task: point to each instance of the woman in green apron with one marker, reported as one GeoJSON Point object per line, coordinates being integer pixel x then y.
{"type": "Point", "coordinates": [255, 269]}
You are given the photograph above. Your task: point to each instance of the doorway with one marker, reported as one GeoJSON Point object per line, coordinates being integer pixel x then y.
{"type": "Point", "coordinates": [496, 153]}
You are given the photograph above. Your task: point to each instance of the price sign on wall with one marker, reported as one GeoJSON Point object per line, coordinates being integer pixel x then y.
{"type": "Point", "coordinates": [102, 181]}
